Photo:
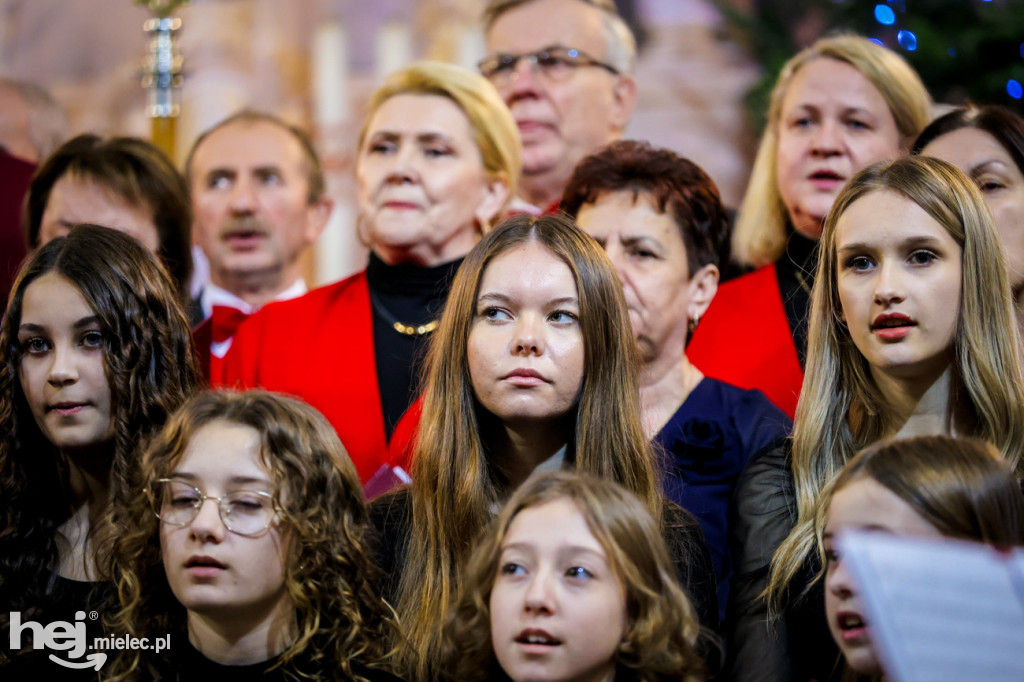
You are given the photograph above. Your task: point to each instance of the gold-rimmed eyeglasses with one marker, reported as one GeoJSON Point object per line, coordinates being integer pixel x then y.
{"type": "Point", "coordinates": [177, 502]}
{"type": "Point", "coordinates": [553, 63]}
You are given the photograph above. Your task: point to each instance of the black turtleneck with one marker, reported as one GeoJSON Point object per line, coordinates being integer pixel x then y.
{"type": "Point", "coordinates": [413, 296]}
{"type": "Point", "coordinates": [795, 272]}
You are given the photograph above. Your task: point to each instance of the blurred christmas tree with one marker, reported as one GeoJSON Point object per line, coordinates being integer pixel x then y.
{"type": "Point", "coordinates": [965, 50]}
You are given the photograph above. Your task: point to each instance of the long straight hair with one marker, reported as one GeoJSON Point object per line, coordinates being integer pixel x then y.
{"type": "Point", "coordinates": [841, 410]}
{"type": "Point", "coordinates": [455, 482]}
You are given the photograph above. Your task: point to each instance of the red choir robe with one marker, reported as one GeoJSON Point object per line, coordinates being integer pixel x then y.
{"type": "Point", "coordinates": [319, 347]}
{"type": "Point", "coordinates": [745, 339]}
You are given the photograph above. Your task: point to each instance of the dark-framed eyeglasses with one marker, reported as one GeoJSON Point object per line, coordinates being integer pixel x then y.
{"type": "Point", "coordinates": [177, 502]}
{"type": "Point", "coordinates": [553, 63]}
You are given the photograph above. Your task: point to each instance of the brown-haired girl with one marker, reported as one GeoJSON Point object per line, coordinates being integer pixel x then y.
{"type": "Point", "coordinates": [572, 582]}
{"type": "Point", "coordinates": [248, 548]}
{"type": "Point", "coordinates": [97, 354]}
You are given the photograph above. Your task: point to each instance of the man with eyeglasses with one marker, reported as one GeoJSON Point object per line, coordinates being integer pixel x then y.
{"type": "Point", "coordinates": [564, 67]}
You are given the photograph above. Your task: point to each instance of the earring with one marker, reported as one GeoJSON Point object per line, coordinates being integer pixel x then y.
{"type": "Point", "coordinates": [691, 323]}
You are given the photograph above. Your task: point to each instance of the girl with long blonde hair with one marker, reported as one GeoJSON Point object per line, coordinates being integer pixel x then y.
{"type": "Point", "coordinates": [911, 332]}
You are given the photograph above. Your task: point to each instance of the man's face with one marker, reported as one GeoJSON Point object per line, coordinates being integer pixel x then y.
{"type": "Point", "coordinates": [250, 194]}
{"type": "Point", "coordinates": [560, 120]}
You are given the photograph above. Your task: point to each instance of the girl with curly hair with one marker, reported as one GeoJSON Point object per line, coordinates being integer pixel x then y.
{"type": "Point", "coordinates": [96, 354]}
{"type": "Point", "coordinates": [248, 549]}
{"type": "Point", "coordinates": [573, 582]}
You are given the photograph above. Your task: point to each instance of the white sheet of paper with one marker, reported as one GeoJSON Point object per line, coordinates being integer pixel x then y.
{"type": "Point", "coordinates": [943, 611]}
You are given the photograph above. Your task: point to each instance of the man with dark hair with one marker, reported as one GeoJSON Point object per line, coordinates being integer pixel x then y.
{"type": "Point", "coordinates": [258, 202]}
{"type": "Point", "coordinates": [258, 199]}
{"type": "Point", "coordinates": [564, 67]}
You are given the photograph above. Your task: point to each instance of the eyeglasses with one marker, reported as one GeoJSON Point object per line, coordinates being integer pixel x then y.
{"type": "Point", "coordinates": [245, 512]}
{"type": "Point", "coordinates": [553, 63]}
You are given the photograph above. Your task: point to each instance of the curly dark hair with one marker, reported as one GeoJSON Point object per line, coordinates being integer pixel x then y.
{"type": "Point", "coordinates": [678, 187]}
{"type": "Point", "coordinates": [343, 623]}
{"type": "Point", "coordinates": [150, 368]}
{"type": "Point", "coordinates": [138, 172]}
{"type": "Point", "coordinates": [662, 629]}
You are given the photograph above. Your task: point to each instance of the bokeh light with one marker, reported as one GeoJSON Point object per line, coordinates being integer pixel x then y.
{"type": "Point", "coordinates": [885, 15]}
{"type": "Point", "coordinates": [907, 40]}
{"type": "Point", "coordinates": [1014, 89]}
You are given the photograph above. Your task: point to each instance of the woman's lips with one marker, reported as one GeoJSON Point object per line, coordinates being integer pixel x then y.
{"type": "Point", "coordinates": [826, 180]}
{"type": "Point", "coordinates": [892, 326]}
{"type": "Point", "coordinates": [525, 377]}
{"type": "Point", "coordinates": [67, 409]}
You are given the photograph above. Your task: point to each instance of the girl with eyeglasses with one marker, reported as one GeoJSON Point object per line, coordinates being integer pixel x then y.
{"type": "Point", "coordinates": [247, 549]}
{"type": "Point", "coordinates": [96, 354]}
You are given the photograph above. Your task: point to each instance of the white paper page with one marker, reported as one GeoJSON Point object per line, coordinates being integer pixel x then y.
{"type": "Point", "coordinates": [940, 611]}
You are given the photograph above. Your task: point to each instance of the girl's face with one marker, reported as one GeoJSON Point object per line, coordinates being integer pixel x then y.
{"type": "Point", "coordinates": [558, 610]}
{"type": "Point", "coordinates": [984, 160]}
{"type": "Point", "coordinates": [863, 504]}
{"type": "Point", "coordinates": [214, 572]}
{"type": "Point", "coordinates": [833, 122]}
{"type": "Point", "coordinates": [423, 189]}
{"type": "Point", "coordinates": [62, 370]}
{"type": "Point", "coordinates": [525, 345]}
{"type": "Point", "coordinates": [899, 277]}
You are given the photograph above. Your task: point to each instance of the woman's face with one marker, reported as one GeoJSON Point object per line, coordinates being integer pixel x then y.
{"type": "Point", "coordinates": [216, 573]}
{"type": "Point", "coordinates": [62, 369]}
{"type": "Point", "coordinates": [987, 162]}
{"type": "Point", "coordinates": [649, 254]}
{"type": "Point", "coordinates": [525, 348]}
{"type": "Point", "coordinates": [423, 190]}
{"type": "Point", "coordinates": [863, 504]}
{"type": "Point", "coordinates": [558, 610]}
{"type": "Point", "coordinates": [833, 122]}
{"type": "Point", "coordinates": [899, 278]}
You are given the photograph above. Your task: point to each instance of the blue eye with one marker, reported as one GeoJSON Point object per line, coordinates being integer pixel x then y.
{"type": "Point", "coordinates": [35, 345]}
{"type": "Point", "coordinates": [860, 263]}
{"type": "Point", "coordinates": [92, 339]}
{"type": "Point", "coordinates": [579, 572]}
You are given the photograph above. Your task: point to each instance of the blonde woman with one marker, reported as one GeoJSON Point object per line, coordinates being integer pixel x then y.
{"type": "Point", "coordinates": [438, 159]}
{"type": "Point", "coordinates": [838, 106]}
{"type": "Point", "coordinates": [912, 333]}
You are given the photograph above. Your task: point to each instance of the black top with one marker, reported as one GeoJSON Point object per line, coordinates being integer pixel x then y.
{"type": "Point", "coordinates": [706, 444]}
{"type": "Point", "coordinates": [799, 646]}
{"type": "Point", "coordinates": [413, 296]}
{"type": "Point", "coordinates": [795, 272]}
{"type": "Point", "coordinates": [391, 517]}
{"type": "Point", "coordinates": [187, 664]}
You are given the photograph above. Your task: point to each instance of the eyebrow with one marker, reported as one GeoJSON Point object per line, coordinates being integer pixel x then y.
{"type": "Point", "coordinates": [502, 298]}
{"type": "Point", "coordinates": [574, 549]}
{"type": "Point", "coordinates": [90, 321]}
{"type": "Point", "coordinates": [428, 137]}
{"type": "Point", "coordinates": [906, 243]}
{"type": "Point", "coordinates": [234, 480]}
{"type": "Point", "coordinates": [874, 527]}
{"type": "Point", "coordinates": [981, 167]}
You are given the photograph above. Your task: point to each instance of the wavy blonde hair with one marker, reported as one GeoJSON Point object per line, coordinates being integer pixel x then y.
{"type": "Point", "coordinates": [662, 628]}
{"type": "Point", "coordinates": [494, 129]}
{"type": "Point", "coordinates": [329, 576]}
{"type": "Point", "coordinates": [455, 482]}
{"type": "Point", "coordinates": [759, 236]}
{"type": "Point", "coordinates": [841, 409]}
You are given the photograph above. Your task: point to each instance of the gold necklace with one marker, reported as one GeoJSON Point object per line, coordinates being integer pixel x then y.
{"type": "Point", "coordinates": [400, 327]}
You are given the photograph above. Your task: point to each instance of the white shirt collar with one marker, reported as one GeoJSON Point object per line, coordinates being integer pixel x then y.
{"type": "Point", "coordinates": [214, 295]}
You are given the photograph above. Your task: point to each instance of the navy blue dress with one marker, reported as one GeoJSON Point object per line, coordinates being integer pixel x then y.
{"type": "Point", "coordinates": [706, 444]}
